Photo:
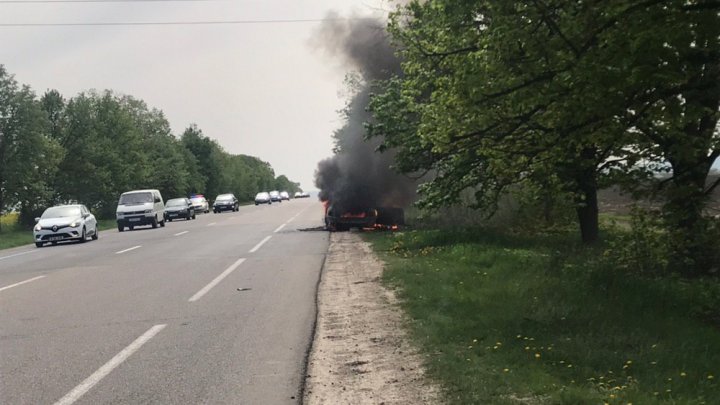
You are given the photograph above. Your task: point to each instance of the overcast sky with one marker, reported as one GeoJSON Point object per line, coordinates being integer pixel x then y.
{"type": "Point", "coordinates": [259, 89]}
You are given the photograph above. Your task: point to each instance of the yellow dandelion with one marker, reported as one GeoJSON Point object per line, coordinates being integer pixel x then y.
{"type": "Point", "coordinates": [495, 347]}
{"type": "Point", "coordinates": [506, 370]}
{"type": "Point", "coordinates": [682, 374]}
{"type": "Point", "coordinates": [710, 377]}
{"type": "Point", "coordinates": [628, 362]}
{"type": "Point", "coordinates": [527, 347]}
{"type": "Point", "coordinates": [474, 340]}
{"type": "Point", "coordinates": [569, 365]}
{"type": "Point", "coordinates": [537, 355]}
{"type": "Point", "coordinates": [519, 336]}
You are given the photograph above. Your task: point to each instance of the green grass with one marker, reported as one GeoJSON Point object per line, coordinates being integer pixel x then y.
{"type": "Point", "coordinates": [509, 320]}
{"type": "Point", "coordinates": [13, 234]}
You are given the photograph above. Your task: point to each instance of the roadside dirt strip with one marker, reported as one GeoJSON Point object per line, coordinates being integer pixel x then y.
{"type": "Point", "coordinates": [360, 352]}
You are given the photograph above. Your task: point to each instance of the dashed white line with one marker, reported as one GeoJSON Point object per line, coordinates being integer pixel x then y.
{"type": "Point", "coordinates": [279, 228]}
{"type": "Point", "coordinates": [128, 249]}
{"type": "Point", "coordinates": [18, 254]}
{"type": "Point", "coordinates": [259, 245]}
{"type": "Point", "coordinates": [211, 224]}
{"type": "Point", "coordinates": [108, 367]}
{"type": "Point", "coordinates": [21, 283]}
{"type": "Point", "coordinates": [217, 279]}
{"type": "Point", "coordinates": [181, 233]}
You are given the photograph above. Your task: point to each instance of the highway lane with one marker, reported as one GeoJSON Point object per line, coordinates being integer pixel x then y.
{"type": "Point", "coordinates": [125, 325]}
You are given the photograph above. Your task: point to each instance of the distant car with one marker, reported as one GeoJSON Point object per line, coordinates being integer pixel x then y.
{"type": "Point", "coordinates": [65, 222]}
{"type": "Point", "coordinates": [263, 198]}
{"type": "Point", "coordinates": [298, 194]}
{"type": "Point", "coordinates": [275, 196]}
{"type": "Point", "coordinates": [200, 203]}
{"type": "Point", "coordinates": [177, 208]}
{"type": "Point", "coordinates": [226, 202]}
{"type": "Point", "coordinates": [140, 207]}
{"type": "Point", "coordinates": [284, 195]}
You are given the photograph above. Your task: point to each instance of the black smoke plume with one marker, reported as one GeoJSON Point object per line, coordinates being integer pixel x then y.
{"type": "Point", "coordinates": [358, 177]}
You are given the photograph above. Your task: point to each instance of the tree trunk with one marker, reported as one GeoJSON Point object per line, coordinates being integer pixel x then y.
{"type": "Point", "coordinates": [587, 212]}
{"type": "Point", "coordinates": [690, 250]}
{"type": "Point", "coordinates": [587, 201]}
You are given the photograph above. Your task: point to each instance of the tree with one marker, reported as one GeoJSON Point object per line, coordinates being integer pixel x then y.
{"type": "Point", "coordinates": [28, 155]}
{"type": "Point", "coordinates": [501, 92]}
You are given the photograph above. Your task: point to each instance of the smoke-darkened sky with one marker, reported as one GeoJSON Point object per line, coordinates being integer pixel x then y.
{"type": "Point", "coordinates": [259, 89]}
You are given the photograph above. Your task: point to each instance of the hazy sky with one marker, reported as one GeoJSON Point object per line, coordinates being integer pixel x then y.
{"type": "Point", "coordinates": [259, 89]}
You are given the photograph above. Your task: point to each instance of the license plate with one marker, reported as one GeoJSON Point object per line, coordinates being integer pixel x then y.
{"type": "Point", "coordinates": [54, 238]}
{"type": "Point", "coordinates": [134, 219]}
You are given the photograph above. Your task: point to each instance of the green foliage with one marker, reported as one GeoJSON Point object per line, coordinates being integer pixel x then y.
{"type": "Point", "coordinates": [97, 145]}
{"type": "Point", "coordinates": [584, 93]}
{"type": "Point", "coordinates": [506, 319]}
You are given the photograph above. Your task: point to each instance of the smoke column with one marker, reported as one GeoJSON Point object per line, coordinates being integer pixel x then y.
{"type": "Point", "coordinates": [357, 177]}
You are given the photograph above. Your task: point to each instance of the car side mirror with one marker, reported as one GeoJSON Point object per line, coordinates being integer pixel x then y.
{"type": "Point", "coordinates": [37, 219]}
{"type": "Point", "coordinates": [85, 216]}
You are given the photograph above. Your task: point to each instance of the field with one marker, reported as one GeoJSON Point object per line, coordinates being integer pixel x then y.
{"type": "Point", "coordinates": [509, 319]}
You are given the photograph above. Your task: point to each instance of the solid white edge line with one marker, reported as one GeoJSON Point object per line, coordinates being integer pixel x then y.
{"type": "Point", "coordinates": [215, 281]}
{"type": "Point", "coordinates": [259, 245]}
{"type": "Point", "coordinates": [21, 283]}
{"type": "Point", "coordinates": [19, 254]}
{"type": "Point", "coordinates": [108, 367]}
{"type": "Point", "coordinates": [279, 228]}
{"type": "Point", "coordinates": [128, 249]}
{"type": "Point", "coordinates": [181, 233]}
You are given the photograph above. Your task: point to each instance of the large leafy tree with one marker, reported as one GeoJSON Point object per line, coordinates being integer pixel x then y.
{"type": "Point", "coordinates": [28, 155]}
{"type": "Point", "coordinates": [498, 92]}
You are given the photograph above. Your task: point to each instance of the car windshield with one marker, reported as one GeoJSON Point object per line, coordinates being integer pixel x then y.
{"type": "Point", "coordinates": [223, 197]}
{"type": "Point", "coordinates": [61, 212]}
{"type": "Point", "coordinates": [136, 198]}
{"type": "Point", "coordinates": [262, 195]}
{"type": "Point", "coordinates": [176, 202]}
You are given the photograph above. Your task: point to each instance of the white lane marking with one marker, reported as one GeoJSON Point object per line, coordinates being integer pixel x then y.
{"type": "Point", "coordinates": [21, 283]}
{"type": "Point", "coordinates": [128, 249]}
{"type": "Point", "coordinates": [19, 254]}
{"type": "Point", "coordinates": [211, 223]}
{"type": "Point", "coordinates": [279, 228]}
{"type": "Point", "coordinates": [259, 245]}
{"type": "Point", "coordinates": [298, 214]}
{"type": "Point", "coordinates": [217, 279]}
{"type": "Point", "coordinates": [108, 367]}
{"type": "Point", "coordinates": [181, 233]}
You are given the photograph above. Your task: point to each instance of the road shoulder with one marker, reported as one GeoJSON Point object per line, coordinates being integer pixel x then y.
{"type": "Point", "coordinates": [360, 352]}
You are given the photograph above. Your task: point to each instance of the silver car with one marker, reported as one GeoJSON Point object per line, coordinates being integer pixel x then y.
{"type": "Point", "coordinates": [65, 222]}
{"type": "Point", "coordinates": [200, 203]}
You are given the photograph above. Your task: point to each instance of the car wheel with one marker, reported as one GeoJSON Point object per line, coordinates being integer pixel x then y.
{"type": "Point", "coordinates": [96, 235]}
{"type": "Point", "coordinates": [120, 228]}
{"type": "Point", "coordinates": [169, 219]}
{"type": "Point", "coordinates": [193, 216]}
{"type": "Point", "coordinates": [206, 211]}
{"type": "Point", "coordinates": [162, 223]}
{"type": "Point", "coordinates": [83, 237]}
{"type": "Point", "coordinates": [131, 227]}
{"type": "Point", "coordinates": [155, 222]}
{"type": "Point", "coordinates": [39, 244]}
{"type": "Point", "coordinates": [54, 243]}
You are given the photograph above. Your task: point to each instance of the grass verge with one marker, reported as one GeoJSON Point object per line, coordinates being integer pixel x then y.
{"type": "Point", "coordinates": [509, 320]}
{"type": "Point", "coordinates": [13, 234]}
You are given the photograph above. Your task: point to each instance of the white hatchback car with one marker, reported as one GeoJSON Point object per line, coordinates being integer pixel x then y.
{"type": "Point", "coordinates": [65, 222]}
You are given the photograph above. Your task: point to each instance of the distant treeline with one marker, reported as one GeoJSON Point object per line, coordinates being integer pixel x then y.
{"type": "Point", "coordinates": [94, 146]}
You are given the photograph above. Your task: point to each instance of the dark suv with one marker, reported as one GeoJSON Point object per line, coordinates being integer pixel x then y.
{"type": "Point", "coordinates": [226, 202]}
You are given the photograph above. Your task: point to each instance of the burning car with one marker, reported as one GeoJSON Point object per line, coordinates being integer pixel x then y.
{"type": "Point", "coordinates": [337, 219]}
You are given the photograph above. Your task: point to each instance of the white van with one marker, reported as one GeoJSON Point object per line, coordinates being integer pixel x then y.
{"type": "Point", "coordinates": [140, 207]}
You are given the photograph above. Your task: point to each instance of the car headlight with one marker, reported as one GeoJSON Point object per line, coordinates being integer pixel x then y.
{"type": "Point", "coordinates": [75, 224]}
{"type": "Point", "coordinates": [38, 227]}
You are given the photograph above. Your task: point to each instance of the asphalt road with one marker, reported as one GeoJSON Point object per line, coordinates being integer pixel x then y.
{"type": "Point", "coordinates": [208, 311]}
